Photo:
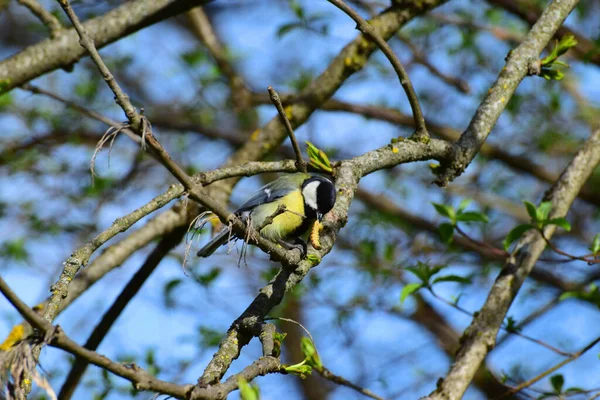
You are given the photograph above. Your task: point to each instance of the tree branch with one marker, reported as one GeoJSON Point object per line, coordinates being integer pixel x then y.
{"type": "Point", "coordinates": [110, 316]}
{"type": "Point", "coordinates": [202, 27]}
{"type": "Point", "coordinates": [586, 49]}
{"type": "Point", "coordinates": [50, 21]}
{"type": "Point", "coordinates": [55, 336]}
{"type": "Point", "coordinates": [480, 336]}
{"type": "Point", "coordinates": [348, 173]}
{"type": "Point", "coordinates": [300, 163]}
{"type": "Point", "coordinates": [516, 69]}
{"type": "Point", "coordinates": [64, 51]}
{"type": "Point", "coordinates": [367, 29]}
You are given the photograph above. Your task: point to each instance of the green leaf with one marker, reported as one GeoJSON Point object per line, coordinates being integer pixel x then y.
{"type": "Point", "coordinates": [297, 8]}
{"type": "Point", "coordinates": [452, 278]}
{"type": "Point", "coordinates": [424, 272]}
{"type": "Point", "coordinates": [5, 100]}
{"type": "Point", "coordinates": [516, 233]}
{"type": "Point", "coordinates": [209, 277]}
{"type": "Point", "coordinates": [472, 216]}
{"type": "Point", "coordinates": [531, 210]}
{"type": "Point", "coordinates": [287, 28]}
{"type": "Point", "coordinates": [591, 295]}
{"type": "Point", "coordinates": [409, 289]}
{"type": "Point", "coordinates": [15, 249]}
{"type": "Point", "coordinates": [543, 211]}
{"type": "Point", "coordinates": [511, 325]}
{"type": "Point", "coordinates": [464, 204]}
{"type": "Point", "coordinates": [574, 389]}
{"type": "Point", "coordinates": [194, 57]}
{"type": "Point", "coordinates": [310, 353]}
{"type": "Point", "coordinates": [552, 74]}
{"type": "Point", "coordinates": [317, 158]}
{"type": "Point", "coordinates": [562, 222]}
{"type": "Point", "coordinates": [302, 370]}
{"type": "Point", "coordinates": [209, 337]}
{"type": "Point", "coordinates": [557, 381]}
{"type": "Point", "coordinates": [595, 248]}
{"type": "Point", "coordinates": [313, 259]}
{"type": "Point", "coordinates": [446, 230]}
{"type": "Point", "coordinates": [560, 48]}
{"type": "Point", "coordinates": [445, 211]}
{"type": "Point", "coordinates": [247, 391]}
{"type": "Point", "coordinates": [168, 292]}
{"type": "Point", "coordinates": [278, 339]}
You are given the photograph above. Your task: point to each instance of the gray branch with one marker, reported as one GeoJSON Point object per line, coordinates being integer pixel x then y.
{"type": "Point", "coordinates": [518, 64]}
{"type": "Point", "coordinates": [64, 50]}
{"type": "Point", "coordinates": [480, 337]}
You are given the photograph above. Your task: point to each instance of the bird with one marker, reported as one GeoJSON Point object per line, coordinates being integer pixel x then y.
{"type": "Point", "coordinates": [307, 197]}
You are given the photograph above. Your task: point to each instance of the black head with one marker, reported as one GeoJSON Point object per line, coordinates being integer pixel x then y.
{"type": "Point", "coordinates": [319, 196]}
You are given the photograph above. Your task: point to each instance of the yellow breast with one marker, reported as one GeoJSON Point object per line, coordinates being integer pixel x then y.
{"type": "Point", "coordinates": [284, 224]}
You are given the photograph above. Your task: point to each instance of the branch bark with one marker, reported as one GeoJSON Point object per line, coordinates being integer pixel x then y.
{"type": "Point", "coordinates": [110, 316]}
{"type": "Point", "coordinates": [64, 50]}
{"type": "Point", "coordinates": [516, 69]}
{"type": "Point", "coordinates": [480, 337]}
{"type": "Point", "coordinates": [363, 26]}
{"type": "Point", "coordinates": [348, 173]}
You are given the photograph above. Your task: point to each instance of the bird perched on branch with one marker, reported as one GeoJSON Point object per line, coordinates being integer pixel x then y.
{"type": "Point", "coordinates": [283, 210]}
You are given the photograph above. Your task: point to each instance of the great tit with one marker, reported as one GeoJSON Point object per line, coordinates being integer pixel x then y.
{"type": "Point", "coordinates": [306, 197]}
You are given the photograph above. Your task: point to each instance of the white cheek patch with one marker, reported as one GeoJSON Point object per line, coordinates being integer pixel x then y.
{"type": "Point", "coordinates": [310, 194]}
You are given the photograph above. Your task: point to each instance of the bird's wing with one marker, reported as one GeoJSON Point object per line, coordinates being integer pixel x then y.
{"type": "Point", "coordinates": [268, 193]}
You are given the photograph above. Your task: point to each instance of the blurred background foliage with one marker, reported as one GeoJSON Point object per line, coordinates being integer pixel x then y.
{"type": "Point", "coordinates": [204, 102]}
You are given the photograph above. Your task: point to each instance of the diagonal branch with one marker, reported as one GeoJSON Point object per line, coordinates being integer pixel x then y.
{"type": "Point", "coordinates": [64, 51]}
{"type": "Point", "coordinates": [55, 336]}
{"type": "Point", "coordinates": [87, 43]}
{"type": "Point", "coordinates": [585, 50]}
{"type": "Point", "coordinates": [110, 316]}
{"type": "Point", "coordinates": [367, 29]}
{"type": "Point", "coordinates": [518, 66]}
{"type": "Point", "coordinates": [141, 379]}
{"type": "Point", "coordinates": [348, 173]}
{"type": "Point", "coordinates": [480, 337]}
{"type": "Point", "coordinates": [300, 163]}
{"type": "Point", "coordinates": [49, 20]}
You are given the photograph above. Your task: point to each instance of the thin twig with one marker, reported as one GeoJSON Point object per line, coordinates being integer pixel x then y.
{"type": "Point", "coordinates": [112, 314]}
{"type": "Point", "coordinates": [586, 258]}
{"type": "Point", "coordinates": [330, 376]}
{"type": "Point", "coordinates": [504, 327]}
{"type": "Point", "coordinates": [367, 29]}
{"type": "Point", "coordinates": [85, 111]}
{"type": "Point", "coordinates": [300, 163]}
{"type": "Point", "coordinates": [48, 19]}
{"type": "Point", "coordinates": [551, 370]}
{"type": "Point", "coordinates": [418, 56]}
{"type": "Point", "coordinates": [135, 119]}
{"type": "Point", "coordinates": [324, 372]}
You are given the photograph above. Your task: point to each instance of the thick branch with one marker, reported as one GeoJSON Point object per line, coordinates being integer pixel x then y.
{"type": "Point", "coordinates": [517, 67]}
{"type": "Point", "coordinates": [61, 52]}
{"type": "Point", "coordinates": [141, 379]}
{"type": "Point", "coordinates": [348, 173]}
{"type": "Point", "coordinates": [480, 336]}
{"type": "Point", "coordinates": [585, 50]}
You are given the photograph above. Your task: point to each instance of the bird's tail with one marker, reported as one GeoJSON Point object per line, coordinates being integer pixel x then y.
{"type": "Point", "coordinates": [219, 240]}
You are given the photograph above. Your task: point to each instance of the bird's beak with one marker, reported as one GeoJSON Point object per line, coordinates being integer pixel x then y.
{"type": "Point", "coordinates": [319, 216]}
